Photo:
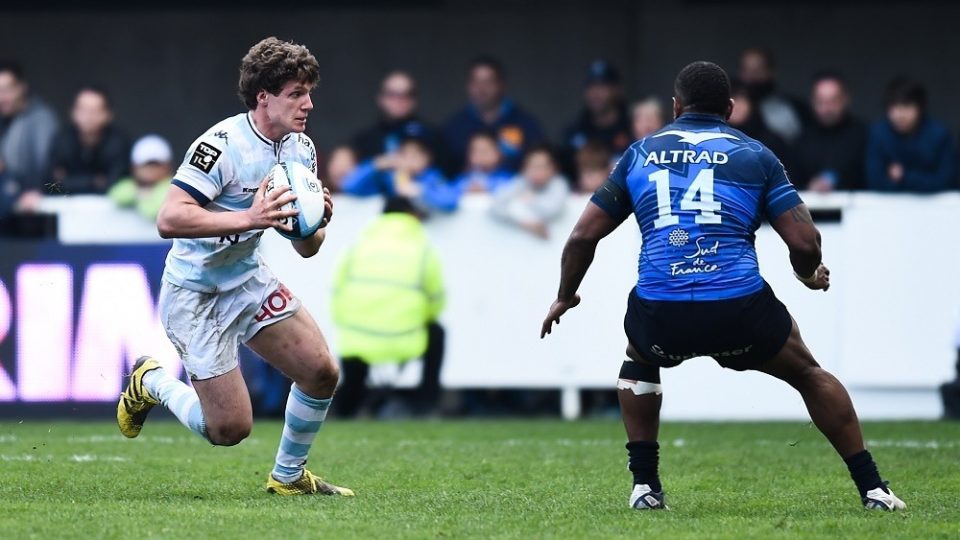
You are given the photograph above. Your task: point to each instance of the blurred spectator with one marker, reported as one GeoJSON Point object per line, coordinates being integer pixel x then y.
{"type": "Point", "coordinates": [340, 163]}
{"type": "Point", "coordinates": [909, 151]}
{"type": "Point", "coordinates": [745, 118]}
{"type": "Point", "coordinates": [593, 166]}
{"type": "Point", "coordinates": [780, 114]}
{"type": "Point", "coordinates": [603, 120]}
{"type": "Point", "coordinates": [536, 197]}
{"type": "Point", "coordinates": [485, 172]}
{"type": "Point", "coordinates": [489, 110]}
{"type": "Point", "coordinates": [388, 293]}
{"type": "Point", "coordinates": [145, 190]}
{"type": "Point", "coordinates": [409, 173]}
{"type": "Point", "coordinates": [646, 117]}
{"type": "Point", "coordinates": [829, 153]}
{"type": "Point", "coordinates": [397, 102]}
{"type": "Point", "coordinates": [91, 154]}
{"type": "Point", "coordinates": [27, 129]}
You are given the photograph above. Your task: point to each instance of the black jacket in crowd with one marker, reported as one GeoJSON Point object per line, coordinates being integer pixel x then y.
{"type": "Point", "coordinates": [78, 169]}
{"type": "Point", "coordinates": [616, 138]}
{"type": "Point", "coordinates": [835, 150]}
{"type": "Point", "coordinates": [386, 135]}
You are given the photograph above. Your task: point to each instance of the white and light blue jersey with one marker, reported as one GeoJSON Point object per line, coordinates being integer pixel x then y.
{"type": "Point", "coordinates": [222, 171]}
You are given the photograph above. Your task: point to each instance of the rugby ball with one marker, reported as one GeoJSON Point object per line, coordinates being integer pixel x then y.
{"type": "Point", "coordinates": [309, 191]}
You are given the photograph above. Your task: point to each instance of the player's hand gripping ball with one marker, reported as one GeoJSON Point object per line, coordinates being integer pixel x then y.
{"type": "Point", "coordinates": [309, 202]}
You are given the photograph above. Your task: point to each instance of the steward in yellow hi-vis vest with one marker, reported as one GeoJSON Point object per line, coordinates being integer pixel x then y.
{"type": "Point", "coordinates": [388, 289]}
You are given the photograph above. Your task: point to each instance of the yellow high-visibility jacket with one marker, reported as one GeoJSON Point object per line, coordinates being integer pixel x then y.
{"type": "Point", "coordinates": [387, 288]}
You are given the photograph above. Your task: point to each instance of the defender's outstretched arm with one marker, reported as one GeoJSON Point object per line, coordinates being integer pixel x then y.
{"type": "Point", "coordinates": [594, 225]}
{"type": "Point", "coordinates": [797, 230]}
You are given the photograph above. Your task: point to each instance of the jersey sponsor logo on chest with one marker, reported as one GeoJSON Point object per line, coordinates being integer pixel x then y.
{"type": "Point", "coordinates": [241, 188]}
{"type": "Point", "coordinates": [698, 262]}
{"type": "Point", "coordinates": [663, 157]}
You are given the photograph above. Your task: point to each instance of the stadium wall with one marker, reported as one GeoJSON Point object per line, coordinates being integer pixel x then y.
{"type": "Point", "coordinates": [173, 69]}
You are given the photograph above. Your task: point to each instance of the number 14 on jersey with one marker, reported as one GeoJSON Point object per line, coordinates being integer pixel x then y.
{"type": "Point", "coordinates": [702, 184]}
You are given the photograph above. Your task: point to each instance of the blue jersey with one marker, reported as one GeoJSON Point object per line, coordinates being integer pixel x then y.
{"type": "Point", "coordinates": [699, 189]}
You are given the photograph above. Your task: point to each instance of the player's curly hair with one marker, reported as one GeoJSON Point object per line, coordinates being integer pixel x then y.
{"type": "Point", "coordinates": [272, 63]}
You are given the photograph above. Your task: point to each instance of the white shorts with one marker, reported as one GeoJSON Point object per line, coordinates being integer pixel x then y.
{"type": "Point", "coordinates": [208, 328]}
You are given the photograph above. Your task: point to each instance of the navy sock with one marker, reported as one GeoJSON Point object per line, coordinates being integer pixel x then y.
{"type": "Point", "coordinates": [644, 463]}
{"type": "Point", "coordinates": [863, 471]}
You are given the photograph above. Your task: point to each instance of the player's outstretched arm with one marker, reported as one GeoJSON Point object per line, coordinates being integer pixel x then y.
{"type": "Point", "coordinates": [797, 230]}
{"type": "Point", "coordinates": [181, 216]}
{"type": "Point", "coordinates": [310, 246]}
{"type": "Point", "coordinates": [594, 225]}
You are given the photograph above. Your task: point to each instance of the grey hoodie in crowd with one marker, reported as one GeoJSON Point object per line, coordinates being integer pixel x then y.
{"type": "Point", "coordinates": [25, 141]}
{"type": "Point", "coordinates": [519, 202]}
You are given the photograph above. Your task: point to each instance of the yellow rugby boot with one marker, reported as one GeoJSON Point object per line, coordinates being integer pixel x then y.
{"type": "Point", "coordinates": [308, 484]}
{"type": "Point", "coordinates": [135, 402]}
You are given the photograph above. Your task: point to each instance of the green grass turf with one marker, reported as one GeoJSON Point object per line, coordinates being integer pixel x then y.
{"type": "Point", "coordinates": [488, 479]}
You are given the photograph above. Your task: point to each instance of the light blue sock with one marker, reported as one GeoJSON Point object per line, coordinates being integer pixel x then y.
{"type": "Point", "coordinates": [178, 398]}
{"type": "Point", "coordinates": [303, 419]}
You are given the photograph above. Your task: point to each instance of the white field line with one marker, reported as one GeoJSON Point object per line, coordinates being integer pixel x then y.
{"type": "Point", "coordinates": [76, 458]}
{"type": "Point", "coordinates": [148, 439]}
{"type": "Point", "coordinates": [871, 443]}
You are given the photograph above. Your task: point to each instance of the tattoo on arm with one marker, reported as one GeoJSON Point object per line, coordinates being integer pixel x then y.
{"type": "Point", "coordinates": [800, 214]}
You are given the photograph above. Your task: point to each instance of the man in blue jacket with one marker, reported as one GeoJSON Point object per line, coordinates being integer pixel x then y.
{"type": "Point", "coordinates": [489, 110]}
{"type": "Point", "coordinates": [908, 151]}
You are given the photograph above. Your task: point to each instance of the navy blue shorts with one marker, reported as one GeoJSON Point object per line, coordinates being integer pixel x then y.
{"type": "Point", "coordinates": [739, 333]}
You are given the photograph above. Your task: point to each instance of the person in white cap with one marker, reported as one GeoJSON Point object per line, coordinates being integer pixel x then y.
{"type": "Point", "coordinates": [152, 168]}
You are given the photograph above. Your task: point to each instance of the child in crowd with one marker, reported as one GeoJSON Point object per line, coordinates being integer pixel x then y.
{"type": "Point", "coordinates": [593, 166]}
{"type": "Point", "coordinates": [409, 172]}
{"type": "Point", "coordinates": [534, 198]}
{"type": "Point", "coordinates": [485, 172]}
{"type": "Point", "coordinates": [152, 168]}
{"type": "Point", "coordinates": [646, 117]}
{"type": "Point", "coordinates": [340, 163]}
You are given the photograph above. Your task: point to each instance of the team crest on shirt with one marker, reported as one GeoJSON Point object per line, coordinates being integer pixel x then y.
{"type": "Point", "coordinates": [204, 157]}
{"type": "Point", "coordinates": [678, 238]}
{"type": "Point", "coordinates": [511, 136]}
{"type": "Point", "coordinates": [696, 137]}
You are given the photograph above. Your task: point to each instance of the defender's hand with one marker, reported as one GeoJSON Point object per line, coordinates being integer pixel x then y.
{"type": "Point", "coordinates": [558, 308]}
{"type": "Point", "coordinates": [820, 281]}
{"type": "Point", "coordinates": [265, 211]}
{"type": "Point", "coordinates": [327, 208]}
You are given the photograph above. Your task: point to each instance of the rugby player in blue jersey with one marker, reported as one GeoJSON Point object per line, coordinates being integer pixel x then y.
{"type": "Point", "coordinates": [699, 190]}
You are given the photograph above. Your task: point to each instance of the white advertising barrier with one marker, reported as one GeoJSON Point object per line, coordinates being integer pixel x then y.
{"type": "Point", "coordinates": [885, 327]}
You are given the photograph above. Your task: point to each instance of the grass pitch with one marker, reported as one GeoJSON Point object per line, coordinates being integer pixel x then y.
{"type": "Point", "coordinates": [486, 479]}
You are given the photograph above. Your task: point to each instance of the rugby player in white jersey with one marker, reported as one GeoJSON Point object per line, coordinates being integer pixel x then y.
{"type": "Point", "coordinates": [218, 293]}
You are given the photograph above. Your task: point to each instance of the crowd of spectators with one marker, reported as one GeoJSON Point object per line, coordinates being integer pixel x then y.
{"type": "Point", "coordinates": [494, 145]}
{"type": "Point", "coordinates": [89, 154]}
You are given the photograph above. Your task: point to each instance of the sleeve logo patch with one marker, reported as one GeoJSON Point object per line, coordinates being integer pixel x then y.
{"type": "Point", "coordinates": [204, 157]}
